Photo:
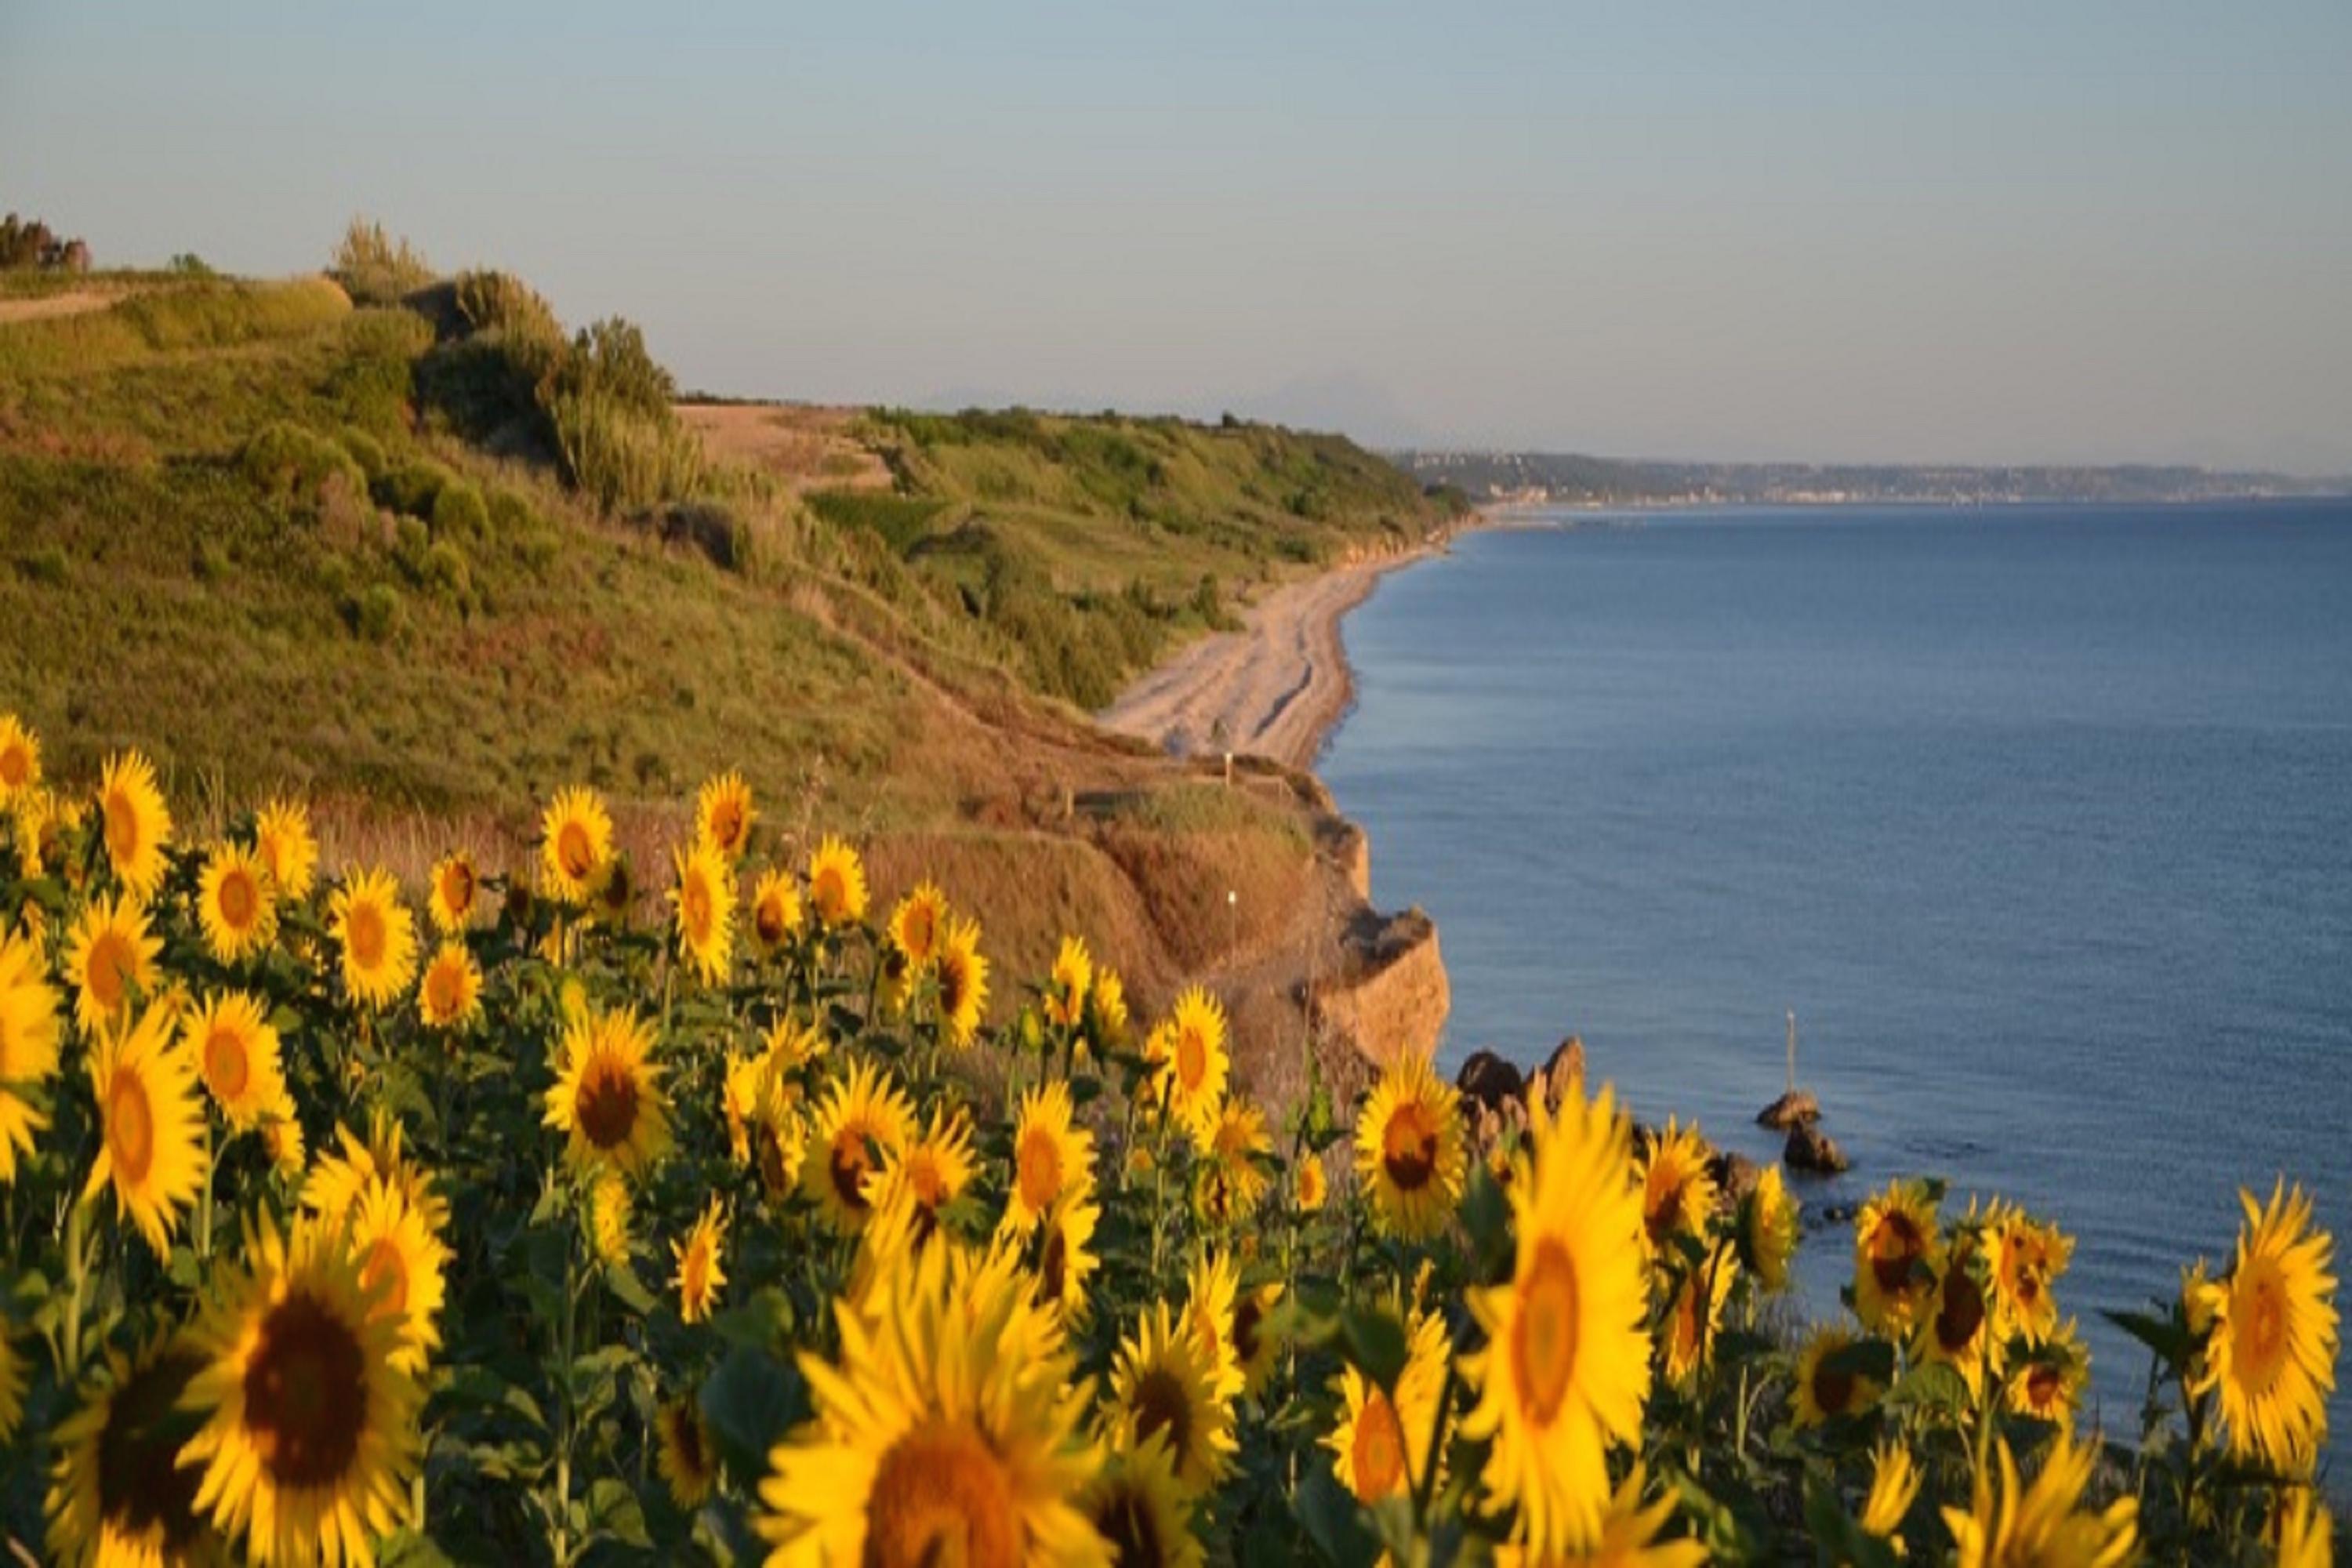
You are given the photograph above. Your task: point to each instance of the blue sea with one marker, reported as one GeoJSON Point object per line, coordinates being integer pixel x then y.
{"type": "Point", "coordinates": [2039, 817]}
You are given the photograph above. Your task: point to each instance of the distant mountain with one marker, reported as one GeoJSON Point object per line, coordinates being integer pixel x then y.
{"type": "Point", "coordinates": [1571, 479]}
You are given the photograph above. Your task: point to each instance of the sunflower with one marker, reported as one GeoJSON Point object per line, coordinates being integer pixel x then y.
{"type": "Point", "coordinates": [745, 1089]}
{"type": "Point", "coordinates": [1894, 1486]}
{"type": "Point", "coordinates": [1409, 1152]}
{"type": "Point", "coordinates": [2028, 1258]}
{"type": "Point", "coordinates": [790, 1046]}
{"type": "Point", "coordinates": [1567, 1363]}
{"type": "Point", "coordinates": [117, 1494]}
{"type": "Point", "coordinates": [1690, 1334]}
{"type": "Point", "coordinates": [1051, 1155]}
{"type": "Point", "coordinates": [2014, 1523]}
{"type": "Point", "coordinates": [334, 1186]}
{"type": "Point", "coordinates": [310, 1429]}
{"type": "Point", "coordinates": [233, 902]}
{"type": "Point", "coordinates": [2272, 1352]}
{"type": "Point", "coordinates": [281, 1139]}
{"type": "Point", "coordinates": [612, 892]}
{"type": "Point", "coordinates": [1308, 1183]}
{"type": "Point", "coordinates": [962, 977]}
{"type": "Point", "coordinates": [575, 839]}
{"type": "Point", "coordinates": [450, 994]}
{"type": "Point", "coordinates": [137, 825]}
{"type": "Point", "coordinates": [723, 815]}
{"type": "Point", "coordinates": [1164, 1385]}
{"type": "Point", "coordinates": [282, 838]}
{"type": "Point", "coordinates": [2302, 1531]}
{"type": "Point", "coordinates": [235, 1049]}
{"type": "Point", "coordinates": [836, 881]}
{"type": "Point", "coordinates": [1139, 1511]}
{"type": "Point", "coordinates": [1627, 1536]}
{"type": "Point", "coordinates": [1767, 1230]}
{"type": "Point", "coordinates": [455, 890]}
{"type": "Point", "coordinates": [1895, 1256]}
{"type": "Point", "coordinates": [28, 1046]}
{"type": "Point", "coordinates": [608, 1097]}
{"type": "Point", "coordinates": [915, 924]}
{"type": "Point", "coordinates": [1106, 1011]}
{"type": "Point", "coordinates": [704, 900]}
{"type": "Point", "coordinates": [938, 1165]}
{"type": "Point", "coordinates": [1678, 1193]}
{"type": "Point", "coordinates": [1828, 1389]}
{"type": "Point", "coordinates": [684, 1453]}
{"type": "Point", "coordinates": [949, 1433]}
{"type": "Point", "coordinates": [1190, 1057]}
{"type": "Point", "coordinates": [1064, 1263]}
{"type": "Point", "coordinates": [776, 913]}
{"type": "Point", "coordinates": [1384, 1437]}
{"type": "Point", "coordinates": [863, 1118]}
{"type": "Point", "coordinates": [401, 1264]}
{"type": "Point", "coordinates": [20, 761]}
{"type": "Point", "coordinates": [1210, 1289]}
{"type": "Point", "coordinates": [377, 936]}
{"type": "Point", "coordinates": [1066, 993]}
{"type": "Point", "coordinates": [1233, 1179]}
{"type": "Point", "coordinates": [609, 1212]}
{"type": "Point", "coordinates": [1954, 1325]}
{"type": "Point", "coordinates": [42, 822]}
{"type": "Point", "coordinates": [12, 1386]}
{"type": "Point", "coordinates": [108, 955]}
{"type": "Point", "coordinates": [2047, 1380]}
{"type": "Point", "coordinates": [153, 1150]}
{"type": "Point", "coordinates": [701, 1264]}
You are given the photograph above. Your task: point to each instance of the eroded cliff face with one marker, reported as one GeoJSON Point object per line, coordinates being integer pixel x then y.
{"type": "Point", "coordinates": [1388, 998]}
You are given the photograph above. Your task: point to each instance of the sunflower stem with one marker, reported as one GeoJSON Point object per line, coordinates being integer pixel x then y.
{"type": "Point", "coordinates": [204, 1195]}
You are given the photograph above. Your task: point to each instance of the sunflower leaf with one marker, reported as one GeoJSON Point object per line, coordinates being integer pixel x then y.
{"type": "Point", "coordinates": [1332, 1519]}
{"type": "Point", "coordinates": [750, 1402]}
{"type": "Point", "coordinates": [2164, 1336]}
{"type": "Point", "coordinates": [1374, 1343]}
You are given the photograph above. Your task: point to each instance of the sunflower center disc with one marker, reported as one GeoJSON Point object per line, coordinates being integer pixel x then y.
{"type": "Point", "coordinates": [1124, 1519]}
{"type": "Point", "coordinates": [442, 987]}
{"type": "Point", "coordinates": [1377, 1457]}
{"type": "Point", "coordinates": [1191, 1059]}
{"type": "Point", "coordinates": [941, 1496]}
{"type": "Point", "coordinates": [1893, 1246]}
{"type": "Point", "coordinates": [2262, 1344]}
{"type": "Point", "coordinates": [306, 1394]}
{"type": "Point", "coordinates": [1246, 1317]}
{"type": "Point", "coordinates": [1409, 1147]}
{"type": "Point", "coordinates": [1040, 1169]}
{"type": "Point", "coordinates": [108, 969]}
{"type": "Point", "coordinates": [846, 1166]}
{"type": "Point", "coordinates": [2041, 1386]}
{"type": "Point", "coordinates": [1161, 1406]}
{"type": "Point", "coordinates": [1544, 1336]}
{"type": "Point", "coordinates": [608, 1106]}
{"type": "Point", "coordinates": [225, 1062]}
{"type": "Point", "coordinates": [237, 901]}
{"type": "Point", "coordinates": [1833, 1389]}
{"type": "Point", "coordinates": [364, 931]}
{"type": "Point", "coordinates": [121, 827]}
{"type": "Point", "coordinates": [140, 1482]}
{"type": "Point", "coordinates": [573, 852]}
{"type": "Point", "coordinates": [1962, 1313]}
{"type": "Point", "coordinates": [129, 1127]}
{"type": "Point", "coordinates": [770, 920]}
{"type": "Point", "coordinates": [1051, 1266]}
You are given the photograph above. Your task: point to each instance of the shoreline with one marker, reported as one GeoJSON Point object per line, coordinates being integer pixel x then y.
{"type": "Point", "coordinates": [1279, 686]}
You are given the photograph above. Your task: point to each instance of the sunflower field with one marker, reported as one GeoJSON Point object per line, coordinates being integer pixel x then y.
{"type": "Point", "coordinates": [553, 1213]}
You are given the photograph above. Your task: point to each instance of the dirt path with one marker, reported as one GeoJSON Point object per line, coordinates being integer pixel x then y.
{"type": "Point", "coordinates": [72, 303]}
{"type": "Point", "coordinates": [1275, 688]}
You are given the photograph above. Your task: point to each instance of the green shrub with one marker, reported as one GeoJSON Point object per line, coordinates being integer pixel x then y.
{"type": "Point", "coordinates": [365, 451]}
{"type": "Point", "coordinates": [291, 461]}
{"type": "Point", "coordinates": [622, 460]}
{"type": "Point", "coordinates": [409, 544]}
{"type": "Point", "coordinates": [376, 379]}
{"type": "Point", "coordinates": [610, 362]}
{"type": "Point", "coordinates": [210, 560]}
{"type": "Point", "coordinates": [45, 565]}
{"type": "Point", "coordinates": [378, 615]}
{"type": "Point", "coordinates": [490, 300]}
{"type": "Point", "coordinates": [445, 574]}
{"type": "Point", "coordinates": [411, 487]}
{"type": "Point", "coordinates": [510, 515]}
{"type": "Point", "coordinates": [458, 512]}
{"type": "Point", "coordinates": [376, 268]}
{"type": "Point", "coordinates": [902, 521]}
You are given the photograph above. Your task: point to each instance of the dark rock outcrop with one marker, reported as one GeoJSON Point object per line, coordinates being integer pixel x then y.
{"type": "Point", "coordinates": [1489, 1079]}
{"type": "Point", "coordinates": [1793, 1109]}
{"type": "Point", "coordinates": [1810, 1149]}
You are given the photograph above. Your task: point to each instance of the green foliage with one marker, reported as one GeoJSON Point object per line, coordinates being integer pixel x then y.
{"type": "Point", "coordinates": [374, 379]}
{"type": "Point", "coordinates": [444, 572]}
{"type": "Point", "coordinates": [459, 512]}
{"type": "Point", "coordinates": [623, 459]}
{"type": "Point", "coordinates": [291, 462]}
{"type": "Point", "coordinates": [412, 487]}
{"type": "Point", "coordinates": [179, 319]}
{"type": "Point", "coordinates": [901, 521]}
{"type": "Point", "coordinates": [375, 267]}
{"type": "Point", "coordinates": [378, 615]}
{"type": "Point", "coordinates": [494, 302]}
{"type": "Point", "coordinates": [365, 451]}
{"type": "Point", "coordinates": [609, 364]}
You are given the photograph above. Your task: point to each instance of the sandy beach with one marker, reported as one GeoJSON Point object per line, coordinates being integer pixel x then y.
{"type": "Point", "coordinates": [1275, 687]}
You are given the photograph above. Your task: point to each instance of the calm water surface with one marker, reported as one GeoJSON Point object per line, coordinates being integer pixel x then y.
{"type": "Point", "coordinates": [2040, 819]}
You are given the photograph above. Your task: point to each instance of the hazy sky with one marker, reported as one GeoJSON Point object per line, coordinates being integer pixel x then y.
{"type": "Point", "coordinates": [2071, 231]}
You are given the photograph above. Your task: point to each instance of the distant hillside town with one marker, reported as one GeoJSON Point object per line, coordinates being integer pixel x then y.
{"type": "Point", "coordinates": [1570, 479]}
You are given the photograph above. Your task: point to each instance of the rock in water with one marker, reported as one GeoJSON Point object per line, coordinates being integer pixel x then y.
{"type": "Point", "coordinates": [1565, 1066]}
{"type": "Point", "coordinates": [1810, 1149]}
{"type": "Point", "coordinates": [1488, 1080]}
{"type": "Point", "coordinates": [1792, 1109]}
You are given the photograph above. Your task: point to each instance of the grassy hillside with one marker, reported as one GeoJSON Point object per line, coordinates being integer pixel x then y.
{"type": "Point", "coordinates": [424, 559]}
